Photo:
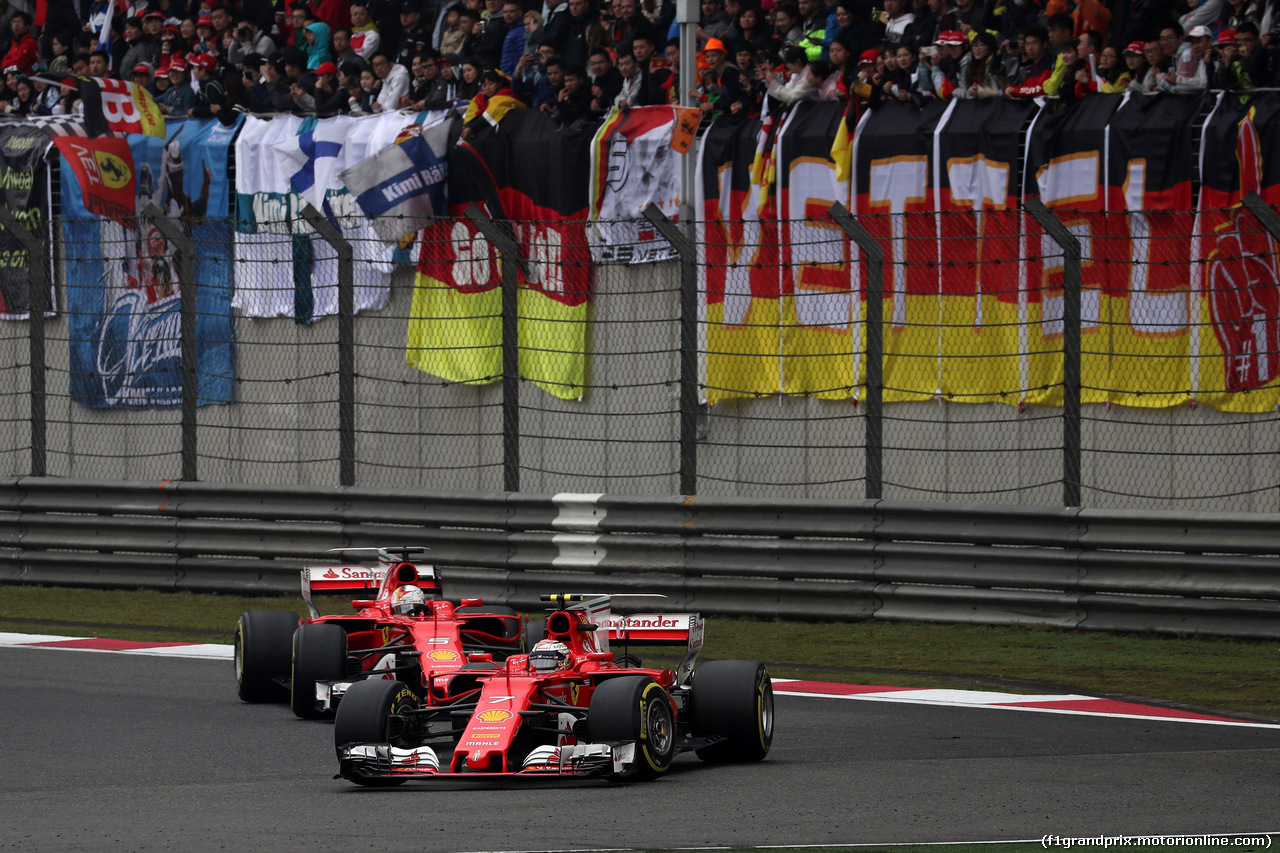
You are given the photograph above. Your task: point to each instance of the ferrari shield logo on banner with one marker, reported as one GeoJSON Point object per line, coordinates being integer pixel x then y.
{"type": "Point", "coordinates": [635, 162]}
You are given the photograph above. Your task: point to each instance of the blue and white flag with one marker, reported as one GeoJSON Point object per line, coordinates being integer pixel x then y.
{"type": "Point", "coordinates": [403, 186]}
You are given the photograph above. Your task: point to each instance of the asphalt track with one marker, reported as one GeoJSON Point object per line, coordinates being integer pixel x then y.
{"type": "Point", "coordinates": [114, 752]}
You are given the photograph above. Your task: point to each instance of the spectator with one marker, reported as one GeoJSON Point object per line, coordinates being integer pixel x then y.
{"type": "Point", "coordinates": [978, 77]}
{"type": "Point", "coordinates": [629, 24]}
{"type": "Point", "coordinates": [548, 91]}
{"type": "Point", "coordinates": [135, 47]}
{"type": "Point", "coordinates": [204, 42]}
{"type": "Point", "coordinates": [573, 102]}
{"type": "Point", "coordinates": [366, 102]}
{"type": "Point", "coordinates": [752, 30]}
{"type": "Point", "coordinates": [715, 21]}
{"type": "Point", "coordinates": [364, 36]}
{"type": "Point", "coordinates": [415, 35]}
{"type": "Point", "coordinates": [513, 41]}
{"type": "Point", "coordinates": [48, 98]}
{"type": "Point", "coordinates": [60, 57]}
{"type": "Point", "coordinates": [786, 25]}
{"type": "Point", "coordinates": [394, 79]}
{"type": "Point", "coordinates": [1157, 62]}
{"type": "Point", "coordinates": [211, 99]}
{"type": "Point", "coordinates": [141, 76]}
{"type": "Point", "coordinates": [246, 38]}
{"type": "Point", "coordinates": [1135, 61]}
{"type": "Point", "coordinates": [1036, 67]}
{"type": "Point", "coordinates": [606, 81]}
{"type": "Point", "coordinates": [317, 45]}
{"type": "Point", "coordinates": [469, 85]}
{"type": "Point", "coordinates": [1190, 72]}
{"type": "Point", "coordinates": [1113, 76]}
{"type": "Point", "coordinates": [573, 46]}
{"type": "Point", "coordinates": [792, 84]}
{"type": "Point", "coordinates": [1235, 13]}
{"type": "Point", "coordinates": [899, 29]}
{"type": "Point", "coordinates": [99, 64]}
{"type": "Point", "coordinates": [452, 35]}
{"type": "Point", "coordinates": [1201, 14]}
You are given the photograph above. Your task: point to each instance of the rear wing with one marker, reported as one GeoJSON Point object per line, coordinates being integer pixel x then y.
{"type": "Point", "coordinates": [644, 629]}
{"type": "Point", "coordinates": [354, 580]}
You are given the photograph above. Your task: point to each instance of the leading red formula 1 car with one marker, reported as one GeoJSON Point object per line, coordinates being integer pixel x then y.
{"type": "Point", "coordinates": [402, 629]}
{"type": "Point", "coordinates": [571, 707]}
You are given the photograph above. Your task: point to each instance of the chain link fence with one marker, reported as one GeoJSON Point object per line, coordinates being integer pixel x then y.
{"type": "Point", "coordinates": [1177, 361]}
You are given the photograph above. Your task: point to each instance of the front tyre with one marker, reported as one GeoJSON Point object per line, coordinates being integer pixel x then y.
{"type": "Point", "coordinates": [733, 699]}
{"type": "Point", "coordinates": [635, 708]}
{"type": "Point", "coordinates": [373, 712]}
{"type": "Point", "coordinates": [262, 642]}
{"type": "Point", "coordinates": [319, 654]}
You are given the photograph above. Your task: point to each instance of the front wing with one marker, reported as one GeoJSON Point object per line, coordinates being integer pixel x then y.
{"type": "Point", "coordinates": [366, 761]}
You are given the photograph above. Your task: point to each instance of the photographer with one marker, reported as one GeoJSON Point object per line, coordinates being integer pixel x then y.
{"type": "Point", "coordinates": [247, 39]}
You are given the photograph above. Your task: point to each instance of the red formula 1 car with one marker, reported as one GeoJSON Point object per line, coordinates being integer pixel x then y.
{"type": "Point", "coordinates": [571, 707]}
{"type": "Point", "coordinates": [402, 630]}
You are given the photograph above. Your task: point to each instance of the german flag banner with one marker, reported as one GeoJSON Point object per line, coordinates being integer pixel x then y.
{"type": "Point", "coordinates": [455, 324]}
{"type": "Point", "coordinates": [1146, 314]}
{"type": "Point", "coordinates": [820, 308]}
{"type": "Point", "coordinates": [979, 290]}
{"type": "Point", "coordinates": [895, 196]}
{"type": "Point", "coordinates": [739, 246]}
{"type": "Point", "coordinates": [1066, 149]}
{"type": "Point", "coordinates": [1238, 329]}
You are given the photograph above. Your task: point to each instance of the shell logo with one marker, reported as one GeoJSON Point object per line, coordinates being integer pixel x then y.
{"type": "Point", "coordinates": [443, 654]}
{"type": "Point", "coordinates": [494, 716]}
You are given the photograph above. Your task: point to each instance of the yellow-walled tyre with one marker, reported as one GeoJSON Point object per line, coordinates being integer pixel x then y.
{"type": "Point", "coordinates": [263, 647]}
{"type": "Point", "coordinates": [635, 708]}
{"type": "Point", "coordinates": [733, 699]}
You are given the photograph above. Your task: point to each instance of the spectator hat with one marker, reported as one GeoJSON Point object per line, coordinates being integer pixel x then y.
{"type": "Point", "coordinates": [1201, 32]}
{"type": "Point", "coordinates": [407, 6]}
{"type": "Point", "coordinates": [1134, 47]}
{"type": "Point", "coordinates": [715, 44]}
{"type": "Point", "coordinates": [1226, 37]}
{"type": "Point", "coordinates": [951, 37]}
{"type": "Point", "coordinates": [204, 21]}
{"type": "Point", "coordinates": [442, 62]}
{"type": "Point", "coordinates": [153, 14]}
{"type": "Point", "coordinates": [205, 61]}
{"type": "Point", "coordinates": [178, 64]}
{"type": "Point", "coordinates": [142, 68]}
{"type": "Point", "coordinates": [326, 68]}
{"type": "Point", "coordinates": [869, 56]}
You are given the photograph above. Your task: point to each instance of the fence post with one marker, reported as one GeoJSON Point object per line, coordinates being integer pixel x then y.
{"type": "Point", "coordinates": [875, 346]}
{"type": "Point", "coordinates": [184, 260]}
{"type": "Point", "coordinates": [502, 239]}
{"type": "Point", "coordinates": [688, 345]}
{"type": "Point", "coordinates": [1265, 214]}
{"type": "Point", "coordinates": [346, 342]}
{"type": "Point", "coordinates": [37, 294]}
{"type": "Point", "coordinates": [1070, 346]}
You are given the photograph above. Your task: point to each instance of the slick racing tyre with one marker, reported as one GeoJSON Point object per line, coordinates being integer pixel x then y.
{"type": "Point", "coordinates": [733, 699]}
{"type": "Point", "coordinates": [370, 713]}
{"type": "Point", "coordinates": [534, 631]}
{"type": "Point", "coordinates": [635, 708]}
{"type": "Point", "coordinates": [262, 649]}
{"type": "Point", "coordinates": [319, 654]}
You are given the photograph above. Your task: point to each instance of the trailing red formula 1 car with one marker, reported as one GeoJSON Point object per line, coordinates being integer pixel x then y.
{"type": "Point", "coordinates": [571, 707]}
{"type": "Point", "coordinates": [402, 630]}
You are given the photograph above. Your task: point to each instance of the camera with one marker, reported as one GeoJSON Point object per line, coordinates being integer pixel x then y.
{"type": "Point", "coordinates": [243, 33]}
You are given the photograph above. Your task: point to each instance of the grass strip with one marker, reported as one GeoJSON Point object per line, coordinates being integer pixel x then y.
{"type": "Point", "coordinates": [1204, 673]}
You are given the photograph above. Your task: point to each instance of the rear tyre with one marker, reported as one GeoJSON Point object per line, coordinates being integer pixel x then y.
{"type": "Point", "coordinates": [635, 708]}
{"type": "Point", "coordinates": [733, 699]}
{"type": "Point", "coordinates": [533, 632]}
{"type": "Point", "coordinates": [319, 654]}
{"type": "Point", "coordinates": [263, 640]}
{"type": "Point", "coordinates": [370, 713]}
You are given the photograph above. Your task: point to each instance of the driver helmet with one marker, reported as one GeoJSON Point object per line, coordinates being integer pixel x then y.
{"type": "Point", "coordinates": [549, 656]}
{"type": "Point", "coordinates": [407, 599]}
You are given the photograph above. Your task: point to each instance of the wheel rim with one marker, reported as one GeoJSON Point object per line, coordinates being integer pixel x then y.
{"type": "Point", "coordinates": [239, 658]}
{"type": "Point", "coordinates": [766, 714]}
{"type": "Point", "coordinates": [658, 728]}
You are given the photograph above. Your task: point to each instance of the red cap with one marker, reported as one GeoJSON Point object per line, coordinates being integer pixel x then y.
{"type": "Point", "coordinates": [149, 15]}
{"type": "Point", "coordinates": [869, 56]}
{"type": "Point", "coordinates": [1134, 47]}
{"type": "Point", "coordinates": [178, 64]}
{"type": "Point", "coordinates": [326, 68]}
{"type": "Point", "coordinates": [204, 21]}
{"type": "Point", "coordinates": [205, 61]}
{"type": "Point", "coordinates": [951, 37]}
{"type": "Point", "coordinates": [142, 68]}
{"type": "Point", "coordinates": [1227, 37]}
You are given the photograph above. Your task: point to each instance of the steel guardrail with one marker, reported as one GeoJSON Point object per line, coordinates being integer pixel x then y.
{"type": "Point", "coordinates": [1210, 573]}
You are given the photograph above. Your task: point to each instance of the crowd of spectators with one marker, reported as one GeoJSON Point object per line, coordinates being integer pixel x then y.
{"type": "Point", "coordinates": [576, 59]}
